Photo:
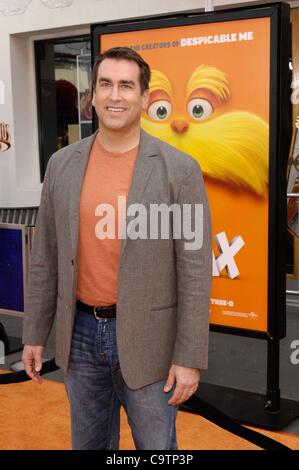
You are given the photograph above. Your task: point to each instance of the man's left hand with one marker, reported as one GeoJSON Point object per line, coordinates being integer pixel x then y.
{"type": "Point", "coordinates": [187, 380]}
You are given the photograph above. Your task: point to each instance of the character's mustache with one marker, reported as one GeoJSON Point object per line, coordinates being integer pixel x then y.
{"type": "Point", "coordinates": [233, 147]}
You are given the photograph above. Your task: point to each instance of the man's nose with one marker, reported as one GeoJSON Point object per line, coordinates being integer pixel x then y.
{"type": "Point", "coordinates": [115, 95]}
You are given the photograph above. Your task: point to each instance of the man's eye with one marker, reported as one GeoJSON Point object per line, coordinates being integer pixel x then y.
{"type": "Point", "coordinates": [199, 109]}
{"type": "Point", "coordinates": [160, 110]}
{"type": "Point", "coordinates": [104, 84]}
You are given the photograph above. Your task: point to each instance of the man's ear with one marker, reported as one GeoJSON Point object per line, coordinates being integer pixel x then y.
{"type": "Point", "coordinates": [145, 98]}
{"type": "Point", "coordinates": [91, 93]}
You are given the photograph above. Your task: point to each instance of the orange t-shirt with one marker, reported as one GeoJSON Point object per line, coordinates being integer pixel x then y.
{"type": "Point", "coordinates": [108, 175]}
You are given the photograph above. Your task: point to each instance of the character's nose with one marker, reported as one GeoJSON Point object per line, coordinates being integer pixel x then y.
{"type": "Point", "coordinates": [179, 125]}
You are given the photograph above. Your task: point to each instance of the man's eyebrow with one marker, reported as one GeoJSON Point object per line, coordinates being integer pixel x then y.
{"type": "Point", "coordinates": [122, 82]}
{"type": "Point", "coordinates": [103, 79]}
{"type": "Point", "coordinates": [127, 82]}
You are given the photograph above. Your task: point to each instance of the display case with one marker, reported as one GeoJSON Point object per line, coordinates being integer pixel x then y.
{"type": "Point", "coordinates": [84, 96]}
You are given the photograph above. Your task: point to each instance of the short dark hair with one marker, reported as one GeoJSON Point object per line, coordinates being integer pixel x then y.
{"type": "Point", "coordinates": [128, 54]}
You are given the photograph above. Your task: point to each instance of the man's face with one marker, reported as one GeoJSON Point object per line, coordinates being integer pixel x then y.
{"type": "Point", "coordinates": [117, 99]}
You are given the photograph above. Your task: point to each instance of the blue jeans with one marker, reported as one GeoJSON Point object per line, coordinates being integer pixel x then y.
{"type": "Point", "coordinates": [96, 390]}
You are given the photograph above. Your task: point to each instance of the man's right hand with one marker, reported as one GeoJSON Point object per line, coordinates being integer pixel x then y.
{"type": "Point", "coordinates": [32, 359]}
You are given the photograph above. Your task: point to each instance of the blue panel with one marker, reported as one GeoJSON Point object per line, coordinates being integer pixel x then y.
{"type": "Point", "coordinates": [11, 270]}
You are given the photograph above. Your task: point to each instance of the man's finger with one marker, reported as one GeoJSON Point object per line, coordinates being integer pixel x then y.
{"type": "Point", "coordinates": [36, 377]}
{"type": "Point", "coordinates": [170, 382]}
{"type": "Point", "coordinates": [31, 372]}
{"type": "Point", "coordinates": [178, 392]}
{"type": "Point", "coordinates": [185, 396]}
{"type": "Point", "coordinates": [185, 393]}
{"type": "Point", "coordinates": [37, 365]}
{"type": "Point", "coordinates": [35, 370]}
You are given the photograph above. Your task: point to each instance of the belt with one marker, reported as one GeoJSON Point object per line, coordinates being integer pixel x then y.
{"type": "Point", "coordinates": [107, 311]}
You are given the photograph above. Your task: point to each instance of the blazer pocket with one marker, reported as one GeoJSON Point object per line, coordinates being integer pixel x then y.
{"type": "Point", "coordinates": [164, 307]}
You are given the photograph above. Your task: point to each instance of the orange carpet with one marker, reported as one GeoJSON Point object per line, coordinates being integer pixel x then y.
{"type": "Point", "coordinates": [36, 417]}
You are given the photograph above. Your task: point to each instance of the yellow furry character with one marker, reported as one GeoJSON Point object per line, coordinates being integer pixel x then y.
{"type": "Point", "coordinates": [231, 147]}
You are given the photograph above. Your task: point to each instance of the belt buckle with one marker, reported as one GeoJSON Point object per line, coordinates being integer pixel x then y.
{"type": "Point", "coordinates": [95, 313]}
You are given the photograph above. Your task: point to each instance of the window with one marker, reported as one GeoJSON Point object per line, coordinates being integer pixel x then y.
{"type": "Point", "coordinates": [63, 72]}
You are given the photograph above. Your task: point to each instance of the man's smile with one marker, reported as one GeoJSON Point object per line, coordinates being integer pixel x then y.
{"type": "Point", "coordinates": [115, 109]}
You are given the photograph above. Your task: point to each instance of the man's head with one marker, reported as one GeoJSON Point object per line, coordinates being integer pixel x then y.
{"type": "Point", "coordinates": [120, 89]}
{"type": "Point", "coordinates": [124, 53]}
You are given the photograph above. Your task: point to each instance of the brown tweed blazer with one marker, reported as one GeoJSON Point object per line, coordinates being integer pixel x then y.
{"type": "Point", "coordinates": [163, 294]}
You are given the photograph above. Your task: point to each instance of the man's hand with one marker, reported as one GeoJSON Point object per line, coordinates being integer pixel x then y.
{"type": "Point", "coordinates": [187, 380]}
{"type": "Point", "coordinates": [32, 359]}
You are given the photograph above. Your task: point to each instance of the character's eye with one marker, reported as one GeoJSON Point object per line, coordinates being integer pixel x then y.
{"type": "Point", "coordinates": [199, 109]}
{"type": "Point", "coordinates": [160, 110]}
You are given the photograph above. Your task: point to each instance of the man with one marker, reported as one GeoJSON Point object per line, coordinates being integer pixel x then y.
{"type": "Point", "coordinates": [131, 312]}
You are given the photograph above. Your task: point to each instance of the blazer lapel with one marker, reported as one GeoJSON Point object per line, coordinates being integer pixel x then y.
{"type": "Point", "coordinates": [141, 173]}
{"type": "Point", "coordinates": [80, 160]}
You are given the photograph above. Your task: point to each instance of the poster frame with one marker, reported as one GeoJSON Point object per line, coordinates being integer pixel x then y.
{"type": "Point", "coordinates": [280, 123]}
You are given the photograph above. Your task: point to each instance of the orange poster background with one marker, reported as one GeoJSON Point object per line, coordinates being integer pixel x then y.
{"type": "Point", "coordinates": [234, 211]}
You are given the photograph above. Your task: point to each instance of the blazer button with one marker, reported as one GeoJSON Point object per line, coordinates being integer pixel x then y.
{"type": "Point", "coordinates": [72, 262]}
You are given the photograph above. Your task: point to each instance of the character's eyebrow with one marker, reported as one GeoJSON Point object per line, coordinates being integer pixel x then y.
{"type": "Point", "coordinates": [121, 82]}
{"type": "Point", "coordinates": [211, 79]}
{"type": "Point", "coordinates": [159, 81]}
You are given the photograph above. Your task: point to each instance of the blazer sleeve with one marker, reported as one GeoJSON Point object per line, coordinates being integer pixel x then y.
{"type": "Point", "coordinates": [41, 298]}
{"type": "Point", "coordinates": [194, 278]}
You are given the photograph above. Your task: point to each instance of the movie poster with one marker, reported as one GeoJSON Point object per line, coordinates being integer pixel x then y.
{"type": "Point", "coordinates": [209, 96]}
